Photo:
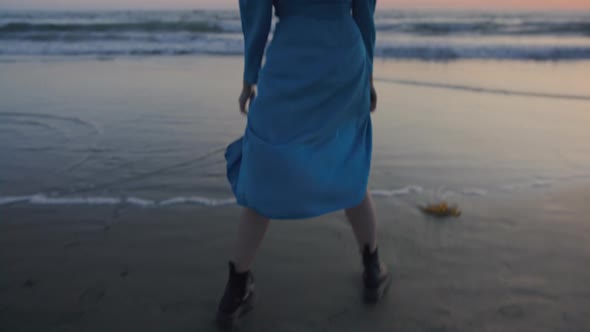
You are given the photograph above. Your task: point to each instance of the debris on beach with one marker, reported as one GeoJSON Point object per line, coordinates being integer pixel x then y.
{"type": "Point", "coordinates": [441, 210]}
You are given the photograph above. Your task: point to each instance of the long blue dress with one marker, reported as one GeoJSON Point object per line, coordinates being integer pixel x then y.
{"type": "Point", "coordinates": [306, 150]}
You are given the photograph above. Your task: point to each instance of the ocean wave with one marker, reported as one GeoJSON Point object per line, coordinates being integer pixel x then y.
{"type": "Point", "coordinates": [432, 36]}
{"type": "Point", "coordinates": [487, 27]}
{"type": "Point", "coordinates": [448, 52]}
{"type": "Point", "coordinates": [417, 23]}
{"type": "Point", "coordinates": [17, 29]}
{"type": "Point", "coordinates": [148, 27]}
{"type": "Point", "coordinates": [484, 52]}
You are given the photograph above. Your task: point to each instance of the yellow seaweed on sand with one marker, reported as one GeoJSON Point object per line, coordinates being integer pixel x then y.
{"type": "Point", "coordinates": [441, 210]}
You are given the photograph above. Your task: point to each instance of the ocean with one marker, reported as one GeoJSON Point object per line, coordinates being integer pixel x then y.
{"type": "Point", "coordinates": [423, 35]}
{"type": "Point", "coordinates": [115, 144]}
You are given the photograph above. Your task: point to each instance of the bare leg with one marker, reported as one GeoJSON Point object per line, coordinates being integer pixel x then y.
{"type": "Point", "coordinates": [376, 278]}
{"type": "Point", "coordinates": [364, 223]}
{"type": "Point", "coordinates": [251, 231]}
{"type": "Point", "coordinates": [238, 297]}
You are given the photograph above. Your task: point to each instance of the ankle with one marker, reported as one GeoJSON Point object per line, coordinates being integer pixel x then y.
{"type": "Point", "coordinates": [370, 256]}
{"type": "Point", "coordinates": [238, 268]}
{"type": "Point", "coordinates": [370, 247]}
{"type": "Point", "coordinates": [238, 281]}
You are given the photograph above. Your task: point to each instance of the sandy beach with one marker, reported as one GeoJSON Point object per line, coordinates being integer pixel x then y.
{"type": "Point", "coordinates": [508, 264]}
{"type": "Point", "coordinates": [115, 214]}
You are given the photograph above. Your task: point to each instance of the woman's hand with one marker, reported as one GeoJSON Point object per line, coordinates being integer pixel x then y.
{"type": "Point", "coordinates": [248, 93]}
{"type": "Point", "coordinates": [373, 98]}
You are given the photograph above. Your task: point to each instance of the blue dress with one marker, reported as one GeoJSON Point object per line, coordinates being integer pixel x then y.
{"type": "Point", "coordinates": [306, 150]}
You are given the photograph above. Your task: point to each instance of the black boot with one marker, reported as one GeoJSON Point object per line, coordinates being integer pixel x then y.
{"type": "Point", "coordinates": [376, 278]}
{"type": "Point", "coordinates": [238, 298]}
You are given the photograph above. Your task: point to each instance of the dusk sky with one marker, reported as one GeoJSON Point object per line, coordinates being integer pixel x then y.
{"type": "Point", "coordinates": [192, 4]}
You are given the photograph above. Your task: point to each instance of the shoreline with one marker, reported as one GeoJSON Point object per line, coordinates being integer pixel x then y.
{"type": "Point", "coordinates": [411, 191]}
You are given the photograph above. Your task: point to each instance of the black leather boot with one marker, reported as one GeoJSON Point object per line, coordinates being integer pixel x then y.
{"type": "Point", "coordinates": [376, 278]}
{"type": "Point", "coordinates": [238, 298]}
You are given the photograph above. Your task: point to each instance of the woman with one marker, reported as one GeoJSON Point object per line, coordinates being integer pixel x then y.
{"type": "Point", "coordinates": [307, 146]}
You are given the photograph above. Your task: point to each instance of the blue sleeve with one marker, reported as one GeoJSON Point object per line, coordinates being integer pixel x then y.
{"type": "Point", "coordinates": [363, 12]}
{"type": "Point", "coordinates": [256, 20]}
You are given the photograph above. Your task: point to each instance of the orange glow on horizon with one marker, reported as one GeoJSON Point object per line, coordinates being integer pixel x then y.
{"type": "Point", "coordinates": [491, 4]}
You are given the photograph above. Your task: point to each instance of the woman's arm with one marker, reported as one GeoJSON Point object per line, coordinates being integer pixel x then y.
{"type": "Point", "coordinates": [256, 20]}
{"type": "Point", "coordinates": [363, 12]}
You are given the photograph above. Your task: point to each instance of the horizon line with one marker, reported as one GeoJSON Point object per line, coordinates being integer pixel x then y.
{"type": "Point", "coordinates": [387, 7]}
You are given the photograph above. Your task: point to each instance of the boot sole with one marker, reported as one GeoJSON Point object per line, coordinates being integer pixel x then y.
{"type": "Point", "coordinates": [229, 321]}
{"type": "Point", "coordinates": [373, 295]}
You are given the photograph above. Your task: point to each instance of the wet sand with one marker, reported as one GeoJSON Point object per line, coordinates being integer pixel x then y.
{"type": "Point", "coordinates": [114, 213]}
{"type": "Point", "coordinates": [502, 266]}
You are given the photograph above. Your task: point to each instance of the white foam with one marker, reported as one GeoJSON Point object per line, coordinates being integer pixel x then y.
{"type": "Point", "coordinates": [41, 199]}
{"type": "Point", "coordinates": [48, 199]}
{"type": "Point", "coordinates": [474, 192]}
{"type": "Point", "coordinates": [140, 201]}
{"type": "Point", "coordinates": [198, 200]}
{"type": "Point", "coordinates": [523, 186]}
{"type": "Point", "coordinates": [541, 183]}
{"type": "Point", "coordinates": [13, 199]}
{"type": "Point", "coordinates": [397, 192]}
{"type": "Point", "coordinates": [510, 187]}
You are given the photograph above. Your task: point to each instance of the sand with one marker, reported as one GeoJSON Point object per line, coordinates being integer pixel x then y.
{"type": "Point", "coordinates": [500, 267]}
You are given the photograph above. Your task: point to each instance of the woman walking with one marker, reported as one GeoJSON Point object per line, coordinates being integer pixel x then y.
{"type": "Point", "coordinates": [306, 150]}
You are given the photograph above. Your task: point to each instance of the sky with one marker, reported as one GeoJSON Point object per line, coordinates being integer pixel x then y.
{"type": "Point", "coordinates": [199, 4]}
